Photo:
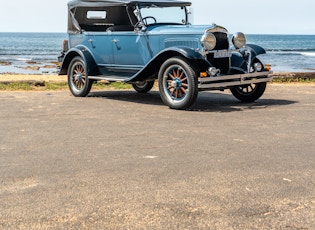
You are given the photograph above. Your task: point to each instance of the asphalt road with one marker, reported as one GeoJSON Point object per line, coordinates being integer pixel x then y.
{"type": "Point", "coordinates": [122, 160]}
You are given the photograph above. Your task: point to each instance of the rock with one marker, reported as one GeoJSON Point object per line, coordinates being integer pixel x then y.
{"type": "Point", "coordinates": [31, 62]}
{"type": "Point", "coordinates": [29, 67]}
{"type": "Point", "coordinates": [5, 63]}
{"type": "Point", "coordinates": [49, 66]}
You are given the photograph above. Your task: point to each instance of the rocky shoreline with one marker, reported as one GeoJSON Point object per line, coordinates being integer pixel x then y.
{"type": "Point", "coordinates": [29, 67]}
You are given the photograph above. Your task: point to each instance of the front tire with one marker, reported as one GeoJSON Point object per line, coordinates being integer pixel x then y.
{"type": "Point", "coordinates": [78, 81]}
{"type": "Point", "coordinates": [249, 93]}
{"type": "Point", "coordinates": [178, 83]}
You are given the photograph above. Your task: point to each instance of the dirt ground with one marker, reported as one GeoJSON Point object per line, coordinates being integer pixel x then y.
{"type": "Point", "coordinates": [26, 77]}
{"type": "Point", "coordinates": [118, 159]}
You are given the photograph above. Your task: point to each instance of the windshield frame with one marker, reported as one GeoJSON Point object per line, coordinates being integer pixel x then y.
{"type": "Point", "coordinates": [163, 22]}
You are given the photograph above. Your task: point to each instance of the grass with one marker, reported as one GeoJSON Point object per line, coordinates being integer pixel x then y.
{"type": "Point", "coordinates": [15, 86]}
{"type": "Point", "coordinates": [293, 80]}
{"type": "Point", "coordinates": [42, 86]}
{"type": "Point", "coordinates": [294, 77]}
{"type": "Point", "coordinates": [113, 85]}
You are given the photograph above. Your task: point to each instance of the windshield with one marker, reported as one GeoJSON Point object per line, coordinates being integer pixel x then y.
{"type": "Point", "coordinates": [165, 15]}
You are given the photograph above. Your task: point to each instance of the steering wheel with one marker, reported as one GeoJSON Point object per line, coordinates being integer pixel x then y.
{"type": "Point", "coordinates": [145, 20]}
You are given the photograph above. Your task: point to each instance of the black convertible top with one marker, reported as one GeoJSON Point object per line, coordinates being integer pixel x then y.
{"type": "Point", "coordinates": [99, 3]}
{"type": "Point", "coordinates": [117, 12]}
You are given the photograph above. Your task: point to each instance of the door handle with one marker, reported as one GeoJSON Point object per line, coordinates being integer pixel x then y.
{"type": "Point", "coordinates": [116, 41]}
{"type": "Point", "coordinates": [91, 41]}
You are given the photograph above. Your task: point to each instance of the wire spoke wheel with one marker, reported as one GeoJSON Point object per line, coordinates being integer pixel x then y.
{"type": "Point", "coordinates": [249, 93]}
{"type": "Point", "coordinates": [79, 76]}
{"type": "Point", "coordinates": [178, 83]}
{"type": "Point", "coordinates": [247, 89]}
{"type": "Point", "coordinates": [78, 80]}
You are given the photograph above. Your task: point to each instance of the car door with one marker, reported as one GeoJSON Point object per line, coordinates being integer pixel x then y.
{"type": "Point", "coordinates": [130, 50]}
{"type": "Point", "coordinates": [101, 47]}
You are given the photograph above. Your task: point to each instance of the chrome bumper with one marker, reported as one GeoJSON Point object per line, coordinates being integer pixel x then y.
{"type": "Point", "coordinates": [227, 81]}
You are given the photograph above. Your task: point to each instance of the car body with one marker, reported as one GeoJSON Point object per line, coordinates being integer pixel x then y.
{"type": "Point", "coordinates": [140, 41]}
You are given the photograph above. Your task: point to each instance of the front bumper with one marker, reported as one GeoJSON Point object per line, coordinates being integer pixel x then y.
{"type": "Point", "coordinates": [229, 81]}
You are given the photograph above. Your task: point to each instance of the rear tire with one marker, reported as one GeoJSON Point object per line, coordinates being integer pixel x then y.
{"type": "Point", "coordinates": [178, 83]}
{"type": "Point", "coordinates": [78, 81]}
{"type": "Point", "coordinates": [143, 87]}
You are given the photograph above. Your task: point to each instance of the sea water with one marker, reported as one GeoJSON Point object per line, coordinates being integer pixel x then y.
{"type": "Point", "coordinates": [286, 53]}
{"type": "Point", "coordinates": [22, 50]}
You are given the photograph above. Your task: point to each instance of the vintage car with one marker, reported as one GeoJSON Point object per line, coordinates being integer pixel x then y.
{"type": "Point", "coordinates": [140, 41]}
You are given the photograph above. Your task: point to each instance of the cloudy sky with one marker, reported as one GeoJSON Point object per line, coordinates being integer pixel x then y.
{"type": "Point", "coordinates": [249, 16]}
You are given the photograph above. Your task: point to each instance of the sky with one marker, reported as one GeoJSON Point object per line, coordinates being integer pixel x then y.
{"type": "Point", "coordinates": [248, 16]}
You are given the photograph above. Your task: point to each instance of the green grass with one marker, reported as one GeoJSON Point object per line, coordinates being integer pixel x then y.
{"type": "Point", "coordinates": [42, 86]}
{"type": "Point", "coordinates": [293, 80]}
{"type": "Point", "coordinates": [15, 86]}
{"type": "Point", "coordinates": [113, 85]}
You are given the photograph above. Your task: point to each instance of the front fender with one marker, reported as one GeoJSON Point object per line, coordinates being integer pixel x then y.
{"type": "Point", "coordinates": [83, 52]}
{"type": "Point", "coordinates": [198, 62]}
{"type": "Point", "coordinates": [239, 59]}
{"type": "Point", "coordinates": [256, 49]}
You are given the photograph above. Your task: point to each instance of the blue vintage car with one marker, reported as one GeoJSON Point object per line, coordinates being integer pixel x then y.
{"type": "Point", "coordinates": [141, 41]}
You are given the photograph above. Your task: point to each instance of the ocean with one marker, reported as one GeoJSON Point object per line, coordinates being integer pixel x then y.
{"type": "Point", "coordinates": [36, 53]}
{"type": "Point", "coordinates": [30, 53]}
{"type": "Point", "coordinates": [287, 53]}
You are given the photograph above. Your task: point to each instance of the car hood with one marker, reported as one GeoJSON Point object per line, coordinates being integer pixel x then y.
{"type": "Point", "coordinates": [184, 29]}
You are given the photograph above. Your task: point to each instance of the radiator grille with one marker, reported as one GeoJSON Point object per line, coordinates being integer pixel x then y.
{"type": "Point", "coordinates": [222, 44]}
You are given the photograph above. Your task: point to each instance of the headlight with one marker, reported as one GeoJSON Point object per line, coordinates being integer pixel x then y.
{"type": "Point", "coordinates": [258, 67]}
{"type": "Point", "coordinates": [239, 40]}
{"type": "Point", "coordinates": [208, 41]}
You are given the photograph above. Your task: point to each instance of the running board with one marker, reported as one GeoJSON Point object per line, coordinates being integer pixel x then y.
{"type": "Point", "coordinates": [234, 80]}
{"type": "Point", "coordinates": [109, 78]}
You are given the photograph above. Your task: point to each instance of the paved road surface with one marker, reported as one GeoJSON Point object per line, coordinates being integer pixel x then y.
{"type": "Point", "coordinates": [121, 160]}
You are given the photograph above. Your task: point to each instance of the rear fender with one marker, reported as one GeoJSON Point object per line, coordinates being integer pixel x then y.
{"type": "Point", "coordinates": [81, 51]}
{"type": "Point", "coordinates": [198, 62]}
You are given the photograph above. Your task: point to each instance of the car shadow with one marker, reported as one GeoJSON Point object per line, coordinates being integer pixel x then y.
{"type": "Point", "coordinates": [221, 102]}
{"type": "Point", "coordinates": [152, 97]}
{"type": "Point", "coordinates": [206, 101]}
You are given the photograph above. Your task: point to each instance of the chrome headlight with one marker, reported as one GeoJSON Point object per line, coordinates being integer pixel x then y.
{"type": "Point", "coordinates": [258, 67]}
{"type": "Point", "coordinates": [208, 41]}
{"type": "Point", "coordinates": [239, 40]}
